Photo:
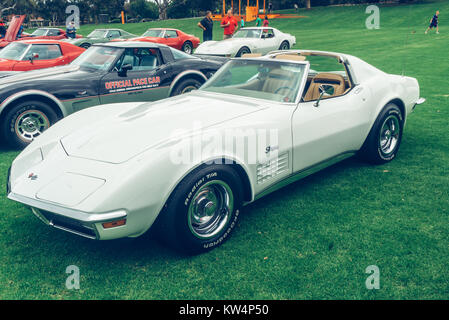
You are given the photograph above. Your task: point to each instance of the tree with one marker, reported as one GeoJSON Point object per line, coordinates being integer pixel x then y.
{"type": "Point", "coordinates": [307, 4]}
{"type": "Point", "coordinates": [143, 9]}
{"type": "Point", "coordinates": [163, 5]}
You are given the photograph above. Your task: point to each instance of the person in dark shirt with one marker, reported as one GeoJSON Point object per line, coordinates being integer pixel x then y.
{"type": "Point", "coordinates": [71, 30]}
{"type": "Point", "coordinates": [19, 33]}
{"type": "Point", "coordinates": [2, 29]}
{"type": "Point", "coordinates": [207, 25]}
{"type": "Point", "coordinates": [433, 23]}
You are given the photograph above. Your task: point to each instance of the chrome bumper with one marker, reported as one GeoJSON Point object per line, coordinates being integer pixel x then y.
{"type": "Point", "coordinates": [73, 221]}
{"type": "Point", "coordinates": [418, 102]}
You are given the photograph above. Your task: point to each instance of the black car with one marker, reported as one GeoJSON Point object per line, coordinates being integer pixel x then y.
{"type": "Point", "coordinates": [32, 101]}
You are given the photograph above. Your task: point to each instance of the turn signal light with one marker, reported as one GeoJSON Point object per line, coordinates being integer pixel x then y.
{"type": "Point", "coordinates": [114, 224]}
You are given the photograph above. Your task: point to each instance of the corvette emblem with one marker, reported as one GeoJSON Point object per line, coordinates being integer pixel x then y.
{"type": "Point", "coordinates": [32, 176]}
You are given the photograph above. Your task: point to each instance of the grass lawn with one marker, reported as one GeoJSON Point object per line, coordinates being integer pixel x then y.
{"type": "Point", "coordinates": [310, 240]}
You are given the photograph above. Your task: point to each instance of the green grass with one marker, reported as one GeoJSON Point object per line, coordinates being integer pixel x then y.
{"type": "Point", "coordinates": [310, 240]}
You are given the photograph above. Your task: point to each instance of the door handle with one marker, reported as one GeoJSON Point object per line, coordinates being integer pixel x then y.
{"type": "Point", "coordinates": [358, 90]}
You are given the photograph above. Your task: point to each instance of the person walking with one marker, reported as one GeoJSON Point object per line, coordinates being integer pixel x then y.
{"type": "Point", "coordinates": [258, 21]}
{"type": "Point", "coordinates": [434, 23]}
{"type": "Point", "coordinates": [270, 7]}
{"type": "Point", "coordinates": [71, 30]}
{"type": "Point", "coordinates": [265, 22]}
{"type": "Point", "coordinates": [242, 23]}
{"type": "Point", "coordinates": [207, 24]}
{"type": "Point", "coordinates": [229, 24]}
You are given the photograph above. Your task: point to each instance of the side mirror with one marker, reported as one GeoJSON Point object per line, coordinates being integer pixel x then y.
{"type": "Point", "coordinates": [125, 68]}
{"type": "Point", "coordinates": [34, 56]}
{"type": "Point", "coordinates": [325, 90]}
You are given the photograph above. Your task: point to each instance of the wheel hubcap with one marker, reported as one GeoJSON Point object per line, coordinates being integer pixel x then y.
{"type": "Point", "coordinates": [210, 209]}
{"type": "Point", "coordinates": [31, 124]}
{"type": "Point", "coordinates": [389, 135]}
{"type": "Point", "coordinates": [188, 89]}
{"type": "Point", "coordinates": [187, 49]}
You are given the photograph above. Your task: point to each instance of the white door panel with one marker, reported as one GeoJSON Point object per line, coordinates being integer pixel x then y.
{"type": "Point", "coordinates": [336, 126]}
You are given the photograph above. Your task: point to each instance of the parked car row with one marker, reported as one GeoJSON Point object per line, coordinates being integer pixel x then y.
{"type": "Point", "coordinates": [119, 140]}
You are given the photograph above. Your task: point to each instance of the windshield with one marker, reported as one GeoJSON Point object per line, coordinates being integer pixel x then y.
{"type": "Point", "coordinates": [98, 58]}
{"type": "Point", "coordinates": [39, 32]}
{"type": "Point", "coordinates": [97, 34]}
{"type": "Point", "coordinates": [269, 80]}
{"type": "Point", "coordinates": [247, 33]}
{"type": "Point", "coordinates": [14, 51]}
{"type": "Point", "coordinates": [179, 55]}
{"type": "Point", "coordinates": [155, 33]}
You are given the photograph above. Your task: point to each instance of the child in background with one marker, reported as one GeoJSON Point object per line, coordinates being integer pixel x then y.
{"type": "Point", "coordinates": [433, 22]}
{"type": "Point", "coordinates": [265, 22]}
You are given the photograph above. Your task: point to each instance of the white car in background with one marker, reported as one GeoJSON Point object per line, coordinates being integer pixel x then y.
{"type": "Point", "coordinates": [188, 164]}
{"type": "Point", "coordinates": [248, 40]}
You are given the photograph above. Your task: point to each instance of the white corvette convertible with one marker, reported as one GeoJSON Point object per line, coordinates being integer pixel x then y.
{"type": "Point", "coordinates": [188, 164]}
{"type": "Point", "coordinates": [248, 40]}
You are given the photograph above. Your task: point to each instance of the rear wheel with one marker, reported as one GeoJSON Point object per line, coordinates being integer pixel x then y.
{"type": "Point", "coordinates": [384, 139]}
{"type": "Point", "coordinates": [242, 51]}
{"type": "Point", "coordinates": [26, 121]}
{"type": "Point", "coordinates": [187, 47]}
{"type": "Point", "coordinates": [186, 85]}
{"type": "Point", "coordinates": [284, 45]}
{"type": "Point", "coordinates": [203, 210]}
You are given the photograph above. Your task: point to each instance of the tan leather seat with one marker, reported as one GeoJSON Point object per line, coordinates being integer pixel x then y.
{"type": "Point", "coordinates": [335, 80]}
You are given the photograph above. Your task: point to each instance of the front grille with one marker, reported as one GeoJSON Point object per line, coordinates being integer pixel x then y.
{"type": "Point", "coordinates": [69, 225]}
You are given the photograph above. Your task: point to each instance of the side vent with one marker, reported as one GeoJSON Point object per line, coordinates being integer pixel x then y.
{"type": "Point", "coordinates": [272, 168]}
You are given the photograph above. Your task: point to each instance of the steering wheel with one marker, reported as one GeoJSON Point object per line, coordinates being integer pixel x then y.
{"type": "Point", "coordinates": [284, 87]}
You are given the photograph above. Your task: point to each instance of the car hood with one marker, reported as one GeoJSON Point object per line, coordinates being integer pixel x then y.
{"type": "Point", "coordinates": [149, 39]}
{"type": "Point", "coordinates": [13, 28]}
{"type": "Point", "coordinates": [38, 74]}
{"type": "Point", "coordinates": [118, 138]}
{"type": "Point", "coordinates": [222, 47]}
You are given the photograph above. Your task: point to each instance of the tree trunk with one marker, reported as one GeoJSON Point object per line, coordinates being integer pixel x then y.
{"type": "Point", "coordinates": [307, 4]}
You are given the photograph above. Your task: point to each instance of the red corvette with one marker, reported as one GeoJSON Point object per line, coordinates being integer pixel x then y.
{"type": "Point", "coordinates": [40, 33]}
{"type": "Point", "coordinates": [37, 54]}
{"type": "Point", "coordinates": [170, 37]}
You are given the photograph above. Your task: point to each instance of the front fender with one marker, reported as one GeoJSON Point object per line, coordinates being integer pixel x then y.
{"type": "Point", "coordinates": [21, 94]}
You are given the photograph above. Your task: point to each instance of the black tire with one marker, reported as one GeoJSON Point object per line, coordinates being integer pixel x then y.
{"type": "Point", "coordinates": [187, 47]}
{"type": "Point", "coordinates": [242, 51]}
{"type": "Point", "coordinates": [284, 45]}
{"type": "Point", "coordinates": [26, 121]}
{"type": "Point", "coordinates": [383, 141]}
{"type": "Point", "coordinates": [185, 86]}
{"type": "Point", "coordinates": [85, 45]}
{"type": "Point", "coordinates": [176, 223]}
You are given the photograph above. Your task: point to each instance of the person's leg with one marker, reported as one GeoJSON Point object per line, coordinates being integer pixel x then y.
{"type": "Point", "coordinates": [437, 30]}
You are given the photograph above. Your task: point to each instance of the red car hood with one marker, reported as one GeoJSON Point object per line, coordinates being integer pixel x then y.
{"type": "Point", "coordinates": [149, 39]}
{"type": "Point", "coordinates": [14, 27]}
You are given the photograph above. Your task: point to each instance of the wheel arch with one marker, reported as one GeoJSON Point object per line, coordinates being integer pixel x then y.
{"type": "Point", "coordinates": [42, 96]}
{"type": "Point", "coordinates": [185, 75]}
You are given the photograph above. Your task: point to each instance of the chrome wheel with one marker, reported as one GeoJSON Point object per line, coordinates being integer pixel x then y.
{"type": "Point", "coordinates": [210, 209]}
{"type": "Point", "coordinates": [389, 135]}
{"type": "Point", "coordinates": [187, 48]}
{"type": "Point", "coordinates": [285, 46]}
{"type": "Point", "coordinates": [30, 124]}
{"type": "Point", "coordinates": [188, 89]}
